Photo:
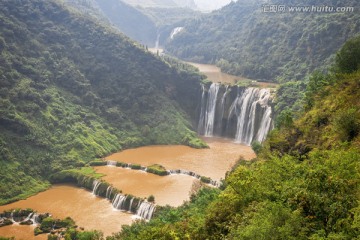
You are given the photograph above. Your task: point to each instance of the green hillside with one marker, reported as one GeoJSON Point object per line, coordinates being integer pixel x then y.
{"type": "Point", "coordinates": [72, 90]}
{"type": "Point", "coordinates": [304, 183]}
{"type": "Point", "coordinates": [129, 20]}
{"type": "Point", "coordinates": [244, 40]}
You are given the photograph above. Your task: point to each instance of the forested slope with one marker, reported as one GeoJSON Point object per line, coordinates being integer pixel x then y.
{"type": "Point", "coordinates": [244, 40]}
{"type": "Point", "coordinates": [304, 184]}
{"type": "Point", "coordinates": [72, 90]}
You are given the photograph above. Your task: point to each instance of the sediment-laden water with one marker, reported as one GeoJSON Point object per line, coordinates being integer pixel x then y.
{"type": "Point", "coordinates": [87, 210]}
{"type": "Point", "coordinates": [213, 162]}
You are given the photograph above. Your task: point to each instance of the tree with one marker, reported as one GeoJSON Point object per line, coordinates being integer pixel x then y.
{"type": "Point", "coordinates": [348, 58]}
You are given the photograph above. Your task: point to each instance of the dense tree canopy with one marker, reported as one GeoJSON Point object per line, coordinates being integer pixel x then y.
{"type": "Point", "coordinates": [73, 90]}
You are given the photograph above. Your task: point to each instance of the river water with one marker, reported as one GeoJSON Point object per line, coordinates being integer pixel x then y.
{"type": "Point", "coordinates": [168, 190]}
{"type": "Point", "coordinates": [92, 212]}
{"type": "Point", "coordinates": [61, 201]}
{"type": "Point", "coordinates": [66, 200]}
{"type": "Point", "coordinates": [214, 73]}
{"type": "Point", "coordinates": [212, 162]}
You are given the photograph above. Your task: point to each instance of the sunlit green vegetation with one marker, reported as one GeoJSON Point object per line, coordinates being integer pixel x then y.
{"type": "Point", "coordinates": [304, 183]}
{"type": "Point", "coordinates": [243, 40]}
{"type": "Point", "coordinates": [74, 90]}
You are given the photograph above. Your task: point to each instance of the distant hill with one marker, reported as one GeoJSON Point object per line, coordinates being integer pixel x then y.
{"type": "Point", "coordinates": [244, 40]}
{"type": "Point", "coordinates": [73, 89]}
{"type": "Point", "coordinates": [152, 3]}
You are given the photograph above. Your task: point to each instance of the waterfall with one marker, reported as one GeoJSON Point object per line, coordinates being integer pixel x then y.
{"type": "Point", "coordinates": [157, 41]}
{"type": "Point", "coordinates": [111, 163]}
{"type": "Point", "coordinates": [146, 210]}
{"type": "Point", "coordinates": [96, 185]}
{"type": "Point", "coordinates": [108, 192]}
{"type": "Point", "coordinates": [12, 217]}
{"type": "Point", "coordinates": [119, 201]}
{"type": "Point", "coordinates": [35, 219]}
{"type": "Point", "coordinates": [265, 125]}
{"type": "Point", "coordinates": [28, 217]}
{"type": "Point", "coordinates": [222, 108]}
{"type": "Point", "coordinates": [131, 202]}
{"type": "Point", "coordinates": [175, 31]}
{"type": "Point", "coordinates": [210, 109]}
{"type": "Point", "coordinates": [241, 113]}
{"type": "Point", "coordinates": [202, 111]}
{"type": "Point", "coordinates": [243, 117]}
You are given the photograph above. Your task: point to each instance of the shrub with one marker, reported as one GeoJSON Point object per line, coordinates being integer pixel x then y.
{"type": "Point", "coordinates": [256, 146]}
{"type": "Point", "coordinates": [205, 179]}
{"type": "Point", "coordinates": [151, 198]}
{"type": "Point", "coordinates": [136, 166]}
{"type": "Point", "coordinates": [157, 169]}
{"type": "Point", "coordinates": [347, 124]}
{"type": "Point", "coordinates": [97, 163]}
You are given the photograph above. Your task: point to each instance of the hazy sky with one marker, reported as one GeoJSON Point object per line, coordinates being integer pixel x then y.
{"type": "Point", "coordinates": [208, 5]}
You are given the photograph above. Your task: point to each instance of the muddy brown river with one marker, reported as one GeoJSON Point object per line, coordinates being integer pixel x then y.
{"type": "Point", "coordinates": [170, 190]}
{"type": "Point", "coordinates": [61, 201]}
{"type": "Point", "coordinates": [66, 200]}
{"type": "Point", "coordinates": [213, 162]}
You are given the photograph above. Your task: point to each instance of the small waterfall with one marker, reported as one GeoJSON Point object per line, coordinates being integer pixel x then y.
{"type": "Point", "coordinates": [175, 31]}
{"type": "Point", "coordinates": [108, 192]}
{"type": "Point", "coordinates": [210, 109]}
{"type": "Point", "coordinates": [35, 219]}
{"type": "Point", "coordinates": [28, 217]}
{"type": "Point", "coordinates": [146, 210]}
{"type": "Point", "coordinates": [111, 163]}
{"type": "Point", "coordinates": [130, 205]}
{"type": "Point", "coordinates": [119, 201]}
{"type": "Point", "coordinates": [12, 217]}
{"type": "Point", "coordinates": [157, 41]}
{"type": "Point", "coordinates": [96, 185]}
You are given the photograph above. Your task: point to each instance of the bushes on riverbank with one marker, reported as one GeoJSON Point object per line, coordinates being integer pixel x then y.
{"type": "Point", "coordinates": [157, 169]}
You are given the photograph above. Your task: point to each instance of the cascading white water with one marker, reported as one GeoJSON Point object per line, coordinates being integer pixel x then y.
{"type": "Point", "coordinates": [157, 41]}
{"type": "Point", "coordinates": [96, 185]}
{"type": "Point", "coordinates": [146, 210]}
{"type": "Point", "coordinates": [265, 125]}
{"type": "Point", "coordinates": [119, 201]}
{"type": "Point", "coordinates": [222, 106]}
{"type": "Point", "coordinates": [28, 217]}
{"type": "Point", "coordinates": [35, 219]}
{"type": "Point", "coordinates": [108, 192]}
{"type": "Point", "coordinates": [131, 202]}
{"type": "Point", "coordinates": [175, 31]}
{"type": "Point", "coordinates": [12, 217]}
{"type": "Point", "coordinates": [210, 109]}
{"type": "Point", "coordinates": [247, 118]}
{"type": "Point", "coordinates": [202, 111]}
{"type": "Point", "coordinates": [243, 117]}
{"type": "Point", "coordinates": [111, 163]}
{"type": "Point", "coordinates": [253, 100]}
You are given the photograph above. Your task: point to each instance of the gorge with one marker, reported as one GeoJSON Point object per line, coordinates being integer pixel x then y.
{"type": "Point", "coordinates": [108, 135]}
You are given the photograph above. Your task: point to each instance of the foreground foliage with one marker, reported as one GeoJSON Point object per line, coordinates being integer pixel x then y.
{"type": "Point", "coordinates": [305, 183]}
